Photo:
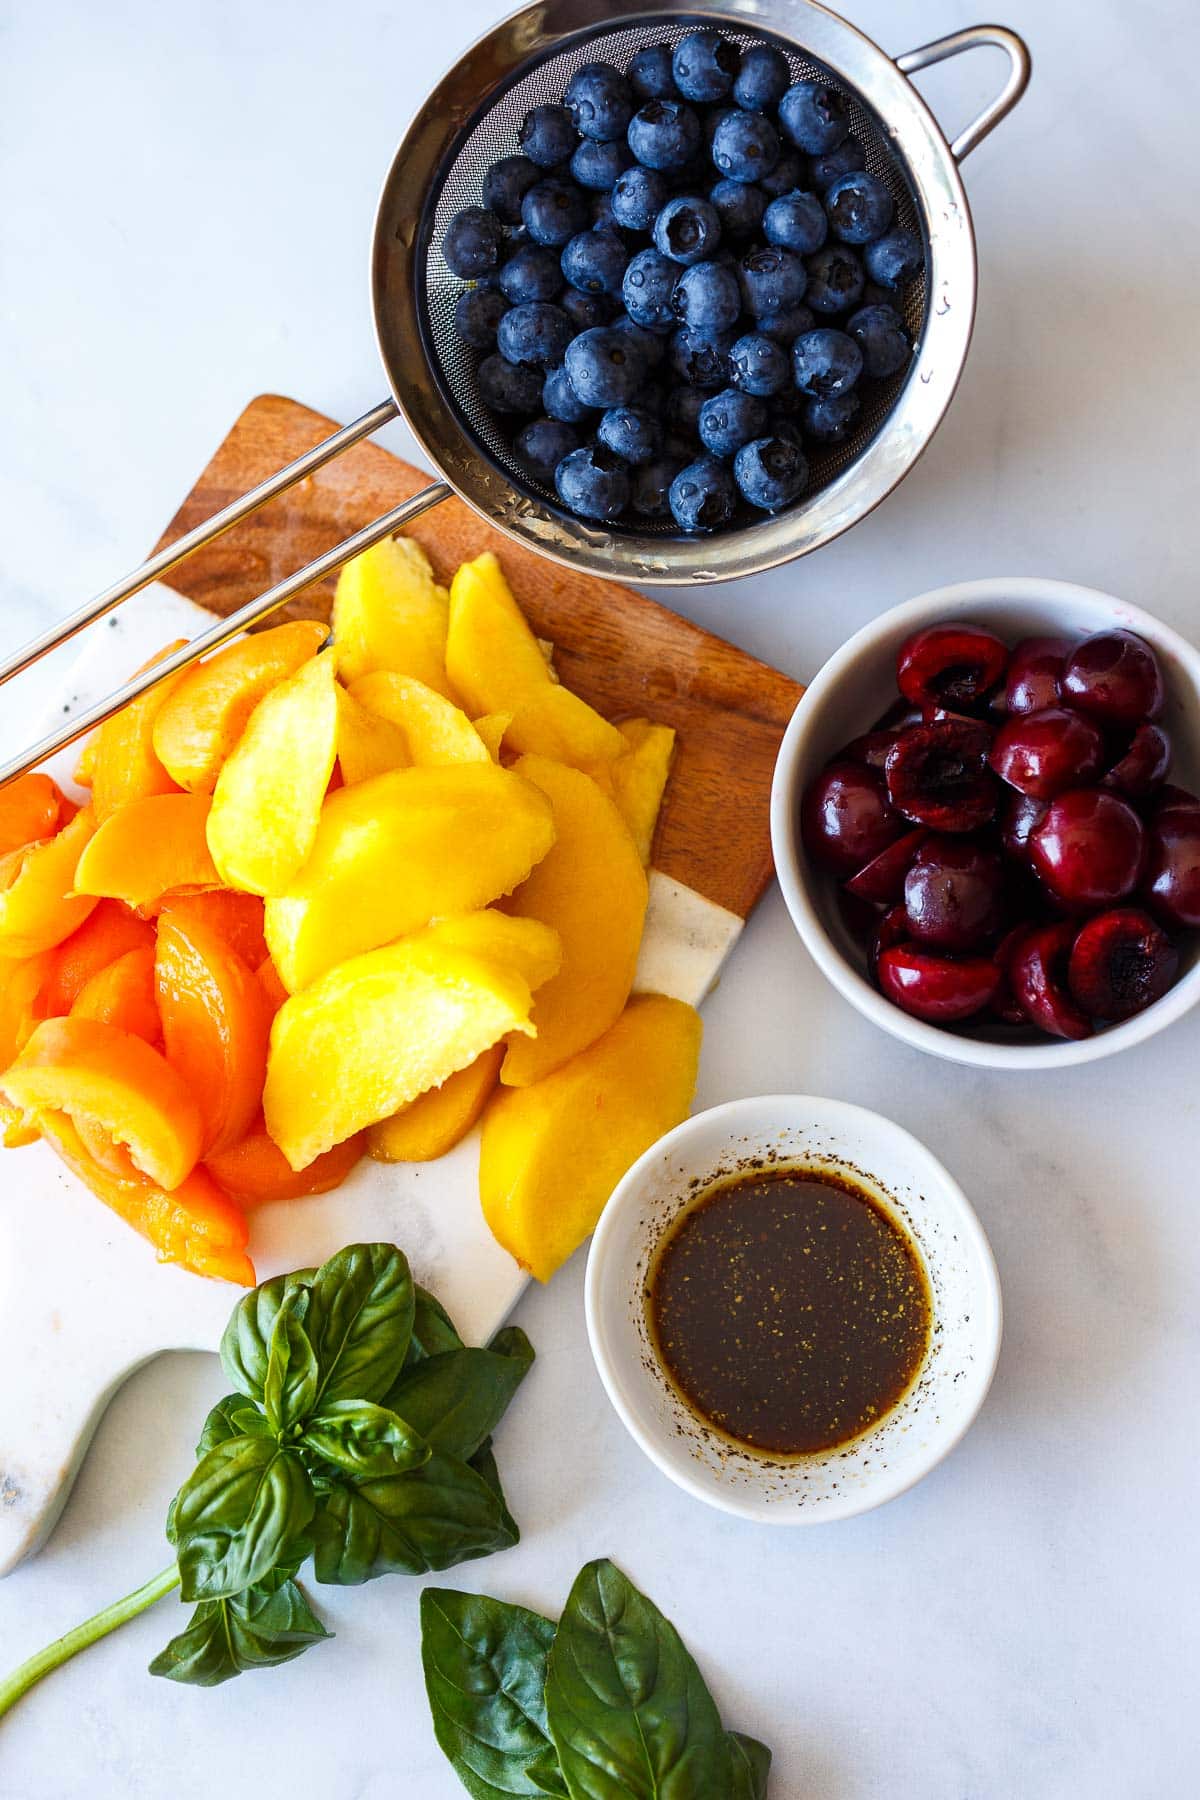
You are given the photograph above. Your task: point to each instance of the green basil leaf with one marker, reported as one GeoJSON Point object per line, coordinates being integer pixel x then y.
{"type": "Point", "coordinates": [440, 1514]}
{"type": "Point", "coordinates": [290, 1386]}
{"type": "Point", "coordinates": [484, 1463]}
{"type": "Point", "coordinates": [237, 1515]}
{"type": "Point", "coordinates": [266, 1625]}
{"type": "Point", "coordinates": [433, 1329]}
{"type": "Point", "coordinates": [231, 1417]}
{"type": "Point", "coordinates": [362, 1440]}
{"type": "Point", "coordinates": [751, 1766]}
{"type": "Point", "coordinates": [456, 1399]}
{"type": "Point", "coordinates": [246, 1343]}
{"type": "Point", "coordinates": [359, 1321]}
{"type": "Point", "coordinates": [627, 1707]}
{"type": "Point", "coordinates": [485, 1674]}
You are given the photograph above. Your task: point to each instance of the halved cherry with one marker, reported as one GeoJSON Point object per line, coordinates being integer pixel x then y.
{"type": "Point", "coordinates": [1143, 765]}
{"type": "Point", "coordinates": [891, 929]}
{"type": "Point", "coordinates": [1121, 962]}
{"type": "Point", "coordinates": [954, 894]}
{"type": "Point", "coordinates": [1035, 674]}
{"type": "Point", "coordinates": [1171, 885]}
{"type": "Point", "coordinates": [939, 989]}
{"type": "Point", "coordinates": [1036, 970]}
{"type": "Point", "coordinates": [1045, 753]}
{"type": "Point", "coordinates": [955, 665]}
{"type": "Point", "coordinates": [937, 775]}
{"type": "Point", "coordinates": [1019, 814]}
{"type": "Point", "coordinates": [845, 819]}
{"type": "Point", "coordinates": [882, 879]}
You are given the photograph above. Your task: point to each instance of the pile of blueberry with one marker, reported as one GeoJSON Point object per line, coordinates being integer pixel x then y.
{"type": "Point", "coordinates": [685, 279]}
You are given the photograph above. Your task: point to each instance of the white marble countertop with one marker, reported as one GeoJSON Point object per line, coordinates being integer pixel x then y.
{"type": "Point", "coordinates": [187, 195]}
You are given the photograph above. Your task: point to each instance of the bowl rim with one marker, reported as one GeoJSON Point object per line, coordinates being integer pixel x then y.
{"type": "Point", "coordinates": [987, 1312]}
{"type": "Point", "coordinates": [793, 873]}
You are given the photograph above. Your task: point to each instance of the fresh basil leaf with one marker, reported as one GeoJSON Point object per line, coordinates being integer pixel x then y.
{"type": "Point", "coordinates": [266, 1625]}
{"type": "Point", "coordinates": [627, 1707]}
{"type": "Point", "coordinates": [433, 1329]}
{"type": "Point", "coordinates": [751, 1766]}
{"type": "Point", "coordinates": [485, 1674]}
{"type": "Point", "coordinates": [234, 1416]}
{"type": "Point", "coordinates": [237, 1515]}
{"type": "Point", "coordinates": [484, 1463]}
{"type": "Point", "coordinates": [290, 1386]}
{"type": "Point", "coordinates": [457, 1399]}
{"type": "Point", "coordinates": [440, 1514]}
{"type": "Point", "coordinates": [359, 1321]}
{"type": "Point", "coordinates": [246, 1343]}
{"type": "Point", "coordinates": [362, 1440]}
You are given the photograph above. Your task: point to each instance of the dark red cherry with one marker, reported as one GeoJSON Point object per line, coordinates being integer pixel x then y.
{"type": "Point", "coordinates": [950, 665]}
{"type": "Point", "coordinates": [1114, 677]}
{"type": "Point", "coordinates": [882, 879]}
{"type": "Point", "coordinates": [938, 989]}
{"type": "Point", "coordinates": [1004, 1001]}
{"type": "Point", "coordinates": [1034, 673]}
{"type": "Point", "coordinates": [1169, 798]}
{"type": "Point", "coordinates": [953, 894]}
{"type": "Point", "coordinates": [891, 929]}
{"type": "Point", "coordinates": [1036, 970]}
{"type": "Point", "coordinates": [1089, 849]}
{"type": "Point", "coordinates": [937, 775]}
{"type": "Point", "coordinates": [1144, 765]}
{"type": "Point", "coordinates": [845, 819]}
{"type": "Point", "coordinates": [1019, 813]}
{"type": "Point", "coordinates": [860, 918]}
{"type": "Point", "coordinates": [1172, 881]}
{"type": "Point", "coordinates": [870, 749]}
{"type": "Point", "coordinates": [1121, 963]}
{"type": "Point", "coordinates": [1044, 753]}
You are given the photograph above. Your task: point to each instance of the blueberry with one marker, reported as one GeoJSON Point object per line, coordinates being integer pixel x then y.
{"type": "Point", "coordinates": [605, 368]}
{"type": "Point", "coordinates": [745, 146]}
{"type": "Point", "coordinates": [860, 207]}
{"type": "Point", "coordinates": [771, 280]}
{"type": "Point", "coordinates": [507, 387]}
{"type": "Point", "coordinates": [561, 401]}
{"type": "Point", "coordinates": [825, 362]}
{"type": "Point", "coordinates": [823, 170]}
{"type": "Point", "coordinates": [535, 333]}
{"type": "Point", "coordinates": [648, 286]}
{"type": "Point", "coordinates": [477, 314]}
{"type": "Point", "coordinates": [699, 358]}
{"type": "Point", "coordinates": [713, 116]}
{"type": "Point", "coordinates": [472, 242]}
{"type": "Point", "coordinates": [630, 433]}
{"type": "Point", "coordinates": [637, 198]}
{"type": "Point", "coordinates": [506, 184]}
{"type": "Point", "coordinates": [787, 175]}
{"type": "Point", "coordinates": [828, 421]}
{"type": "Point", "coordinates": [894, 258]}
{"type": "Point", "coordinates": [593, 483]}
{"type": "Point", "coordinates": [542, 445]}
{"type": "Point", "coordinates": [879, 332]}
{"type": "Point", "coordinates": [531, 273]}
{"type": "Point", "coordinates": [664, 134]}
{"type": "Point", "coordinates": [586, 310]}
{"type": "Point", "coordinates": [763, 78]}
{"type": "Point", "coordinates": [650, 73]}
{"type": "Point", "coordinates": [760, 365]}
{"type": "Point", "coordinates": [683, 410]}
{"type": "Point", "coordinates": [687, 229]}
{"type": "Point", "coordinates": [814, 117]}
{"type": "Point", "coordinates": [548, 136]}
{"type": "Point", "coordinates": [600, 102]}
{"type": "Point", "coordinates": [704, 66]}
{"type": "Point", "coordinates": [596, 166]}
{"type": "Point", "coordinates": [730, 419]}
{"type": "Point", "coordinates": [771, 471]}
{"type": "Point", "coordinates": [595, 261]}
{"type": "Point", "coordinates": [603, 218]}
{"type": "Point", "coordinates": [707, 297]}
{"type": "Point", "coordinates": [652, 484]}
{"type": "Point", "coordinates": [785, 325]}
{"type": "Point", "coordinates": [740, 206]}
{"type": "Point", "coordinates": [651, 345]}
{"type": "Point", "coordinates": [797, 222]}
{"type": "Point", "coordinates": [702, 495]}
{"type": "Point", "coordinates": [835, 280]}
{"type": "Point", "coordinates": [554, 211]}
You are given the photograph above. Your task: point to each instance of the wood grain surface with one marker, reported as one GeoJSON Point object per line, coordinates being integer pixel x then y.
{"type": "Point", "coordinates": [624, 653]}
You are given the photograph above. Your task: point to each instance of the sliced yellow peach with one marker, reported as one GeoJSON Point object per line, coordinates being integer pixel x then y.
{"type": "Point", "coordinates": [551, 1154]}
{"type": "Point", "coordinates": [491, 728]}
{"type": "Point", "coordinates": [149, 848]}
{"type": "Point", "coordinates": [436, 731]}
{"type": "Point", "coordinates": [40, 899]}
{"type": "Point", "coordinates": [367, 745]}
{"type": "Point", "coordinates": [591, 888]}
{"type": "Point", "coordinates": [266, 805]}
{"type": "Point", "coordinates": [390, 613]}
{"type": "Point", "coordinates": [533, 949]}
{"type": "Point", "coordinates": [401, 849]}
{"type": "Point", "coordinates": [555, 722]}
{"type": "Point", "coordinates": [639, 778]}
{"type": "Point", "coordinates": [435, 1121]}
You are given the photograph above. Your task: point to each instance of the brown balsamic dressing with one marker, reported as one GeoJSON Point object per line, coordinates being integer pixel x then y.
{"type": "Point", "coordinates": [789, 1309]}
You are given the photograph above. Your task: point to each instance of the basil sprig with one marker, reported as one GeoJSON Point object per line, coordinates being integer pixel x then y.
{"type": "Point", "coordinates": [608, 1705]}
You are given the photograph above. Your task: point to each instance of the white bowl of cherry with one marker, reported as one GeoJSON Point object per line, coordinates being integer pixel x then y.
{"type": "Point", "coordinates": [985, 823]}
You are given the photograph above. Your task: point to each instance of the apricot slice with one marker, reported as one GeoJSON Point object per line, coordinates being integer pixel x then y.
{"type": "Point", "coordinates": [378, 1030]}
{"type": "Point", "coordinates": [591, 888]}
{"type": "Point", "coordinates": [256, 1171]}
{"type": "Point", "coordinates": [117, 1086]}
{"type": "Point", "coordinates": [551, 1154]}
{"type": "Point", "coordinates": [401, 849]}
{"type": "Point", "coordinates": [149, 848]}
{"type": "Point", "coordinates": [124, 995]}
{"type": "Point", "coordinates": [124, 764]}
{"type": "Point", "coordinates": [216, 1020]}
{"type": "Point", "coordinates": [268, 796]}
{"type": "Point", "coordinates": [435, 730]}
{"type": "Point", "coordinates": [236, 918]}
{"type": "Point", "coordinates": [30, 808]}
{"type": "Point", "coordinates": [435, 1121]}
{"type": "Point", "coordinates": [206, 712]}
{"type": "Point", "coordinates": [106, 934]}
{"type": "Point", "coordinates": [367, 745]}
{"type": "Point", "coordinates": [639, 778]}
{"type": "Point", "coordinates": [39, 906]}
{"type": "Point", "coordinates": [390, 613]}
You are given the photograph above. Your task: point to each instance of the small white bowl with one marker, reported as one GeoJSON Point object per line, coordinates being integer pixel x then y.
{"type": "Point", "coordinates": [853, 689]}
{"type": "Point", "coordinates": [903, 1178]}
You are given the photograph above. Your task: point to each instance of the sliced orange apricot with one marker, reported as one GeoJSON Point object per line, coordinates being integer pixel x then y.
{"type": "Point", "coordinates": [124, 995]}
{"type": "Point", "coordinates": [123, 762]}
{"type": "Point", "coordinates": [435, 1121]}
{"type": "Point", "coordinates": [119, 1085]}
{"type": "Point", "coordinates": [30, 808]}
{"type": "Point", "coordinates": [205, 715]}
{"type": "Point", "coordinates": [39, 904]}
{"type": "Point", "coordinates": [256, 1170]}
{"type": "Point", "coordinates": [110, 931]}
{"type": "Point", "coordinates": [149, 848]}
{"type": "Point", "coordinates": [216, 1022]}
{"type": "Point", "coordinates": [21, 984]}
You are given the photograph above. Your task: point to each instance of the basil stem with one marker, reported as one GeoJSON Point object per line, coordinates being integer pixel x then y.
{"type": "Point", "coordinates": [98, 1626]}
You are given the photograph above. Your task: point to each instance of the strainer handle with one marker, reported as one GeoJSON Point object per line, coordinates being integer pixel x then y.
{"type": "Point", "coordinates": [978, 37]}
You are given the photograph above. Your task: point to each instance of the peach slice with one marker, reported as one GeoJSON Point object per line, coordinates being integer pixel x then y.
{"type": "Point", "coordinates": [367, 745]}
{"type": "Point", "coordinates": [31, 807]}
{"type": "Point", "coordinates": [39, 901]}
{"type": "Point", "coordinates": [639, 778]}
{"type": "Point", "coordinates": [436, 731]}
{"type": "Point", "coordinates": [216, 1020]}
{"type": "Point", "coordinates": [435, 1121]}
{"type": "Point", "coordinates": [149, 848]}
{"type": "Point", "coordinates": [123, 763]}
{"type": "Point", "coordinates": [123, 994]}
{"type": "Point", "coordinates": [255, 1170]}
{"type": "Point", "coordinates": [107, 933]}
{"type": "Point", "coordinates": [390, 613]}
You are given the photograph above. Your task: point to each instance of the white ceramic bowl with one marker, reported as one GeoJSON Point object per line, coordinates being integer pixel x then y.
{"type": "Point", "coordinates": [906, 1180]}
{"type": "Point", "coordinates": [852, 690]}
